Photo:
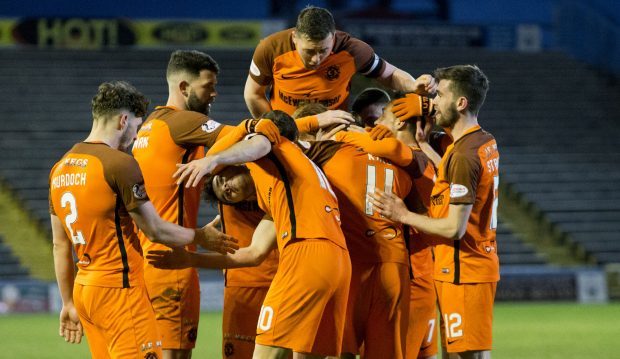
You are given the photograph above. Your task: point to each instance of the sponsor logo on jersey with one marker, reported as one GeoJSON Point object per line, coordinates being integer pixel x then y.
{"type": "Point", "coordinates": [457, 190]}
{"type": "Point", "coordinates": [332, 73]}
{"type": "Point", "coordinates": [437, 200]}
{"type": "Point", "coordinates": [210, 126]}
{"type": "Point", "coordinates": [254, 69]}
{"type": "Point", "coordinates": [294, 101]}
{"type": "Point", "coordinates": [139, 191]}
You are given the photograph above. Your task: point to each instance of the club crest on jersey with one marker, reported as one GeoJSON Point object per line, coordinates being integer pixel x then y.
{"type": "Point", "coordinates": [457, 190]}
{"type": "Point", "coordinates": [210, 126]}
{"type": "Point", "coordinates": [332, 73]}
{"type": "Point", "coordinates": [139, 191]}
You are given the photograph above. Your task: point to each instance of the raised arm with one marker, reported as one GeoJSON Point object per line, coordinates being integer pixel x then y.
{"type": "Point", "coordinates": [263, 241]}
{"type": "Point", "coordinates": [172, 235]}
{"type": "Point", "coordinates": [389, 148]}
{"type": "Point", "coordinates": [70, 325]}
{"type": "Point", "coordinates": [400, 80]}
{"type": "Point", "coordinates": [241, 152]}
{"type": "Point", "coordinates": [254, 95]}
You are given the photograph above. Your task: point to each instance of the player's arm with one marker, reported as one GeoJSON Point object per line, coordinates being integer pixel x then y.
{"type": "Point", "coordinates": [263, 241]}
{"type": "Point", "coordinates": [452, 227]}
{"type": "Point", "coordinates": [389, 148]}
{"type": "Point", "coordinates": [70, 325]}
{"type": "Point", "coordinates": [254, 95]}
{"type": "Point", "coordinates": [400, 80]}
{"type": "Point", "coordinates": [422, 134]}
{"type": "Point", "coordinates": [159, 231]}
{"type": "Point", "coordinates": [241, 152]}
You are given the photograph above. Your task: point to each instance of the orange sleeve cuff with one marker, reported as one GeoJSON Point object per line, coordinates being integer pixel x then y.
{"type": "Point", "coordinates": [307, 124]}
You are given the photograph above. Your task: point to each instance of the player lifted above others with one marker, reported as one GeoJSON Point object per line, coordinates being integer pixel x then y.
{"type": "Point", "coordinates": [314, 62]}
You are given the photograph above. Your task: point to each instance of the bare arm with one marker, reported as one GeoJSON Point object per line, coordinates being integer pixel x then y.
{"type": "Point", "coordinates": [241, 152]}
{"type": "Point", "coordinates": [263, 241]}
{"type": "Point", "coordinates": [254, 95]}
{"type": "Point", "coordinates": [70, 325]}
{"type": "Point", "coordinates": [421, 135]}
{"type": "Point", "coordinates": [452, 227]}
{"type": "Point", "coordinates": [172, 235]}
{"type": "Point", "coordinates": [399, 80]}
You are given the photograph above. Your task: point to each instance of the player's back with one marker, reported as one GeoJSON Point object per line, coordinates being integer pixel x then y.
{"type": "Point", "coordinates": [354, 174]}
{"type": "Point", "coordinates": [170, 136]}
{"type": "Point", "coordinates": [297, 195]}
{"type": "Point", "coordinates": [91, 189]}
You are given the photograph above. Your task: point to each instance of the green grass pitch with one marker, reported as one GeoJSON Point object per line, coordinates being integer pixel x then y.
{"type": "Point", "coordinates": [521, 330]}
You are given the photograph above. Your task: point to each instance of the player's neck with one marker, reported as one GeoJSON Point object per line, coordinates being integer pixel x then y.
{"type": "Point", "coordinates": [176, 100]}
{"type": "Point", "coordinates": [407, 138]}
{"type": "Point", "coordinates": [462, 126]}
{"type": "Point", "coordinates": [106, 134]}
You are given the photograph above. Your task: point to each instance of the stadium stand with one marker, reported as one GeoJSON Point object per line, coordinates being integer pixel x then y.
{"type": "Point", "coordinates": [557, 141]}
{"type": "Point", "coordinates": [10, 267]}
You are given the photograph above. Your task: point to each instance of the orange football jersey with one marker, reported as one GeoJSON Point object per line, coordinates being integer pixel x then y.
{"type": "Point", "coordinates": [354, 174]}
{"type": "Point", "coordinates": [276, 62]}
{"type": "Point", "coordinates": [469, 174]}
{"type": "Point", "coordinates": [297, 195]}
{"type": "Point", "coordinates": [91, 189]}
{"type": "Point", "coordinates": [170, 136]}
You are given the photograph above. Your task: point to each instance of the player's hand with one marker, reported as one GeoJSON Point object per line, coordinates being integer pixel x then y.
{"type": "Point", "coordinates": [321, 135]}
{"type": "Point", "coordinates": [425, 85]}
{"type": "Point", "coordinates": [178, 258]}
{"type": "Point", "coordinates": [379, 132]}
{"type": "Point", "coordinates": [412, 105]}
{"type": "Point", "coordinates": [192, 172]}
{"type": "Point", "coordinates": [208, 237]}
{"type": "Point", "coordinates": [332, 117]}
{"type": "Point", "coordinates": [265, 127]}
{"type": "Point", "coordinates": [423, 128]}
{"type": "Point", "coordinates": [70, 325]}
{"type": "Point", "coordinates": [388, 205]}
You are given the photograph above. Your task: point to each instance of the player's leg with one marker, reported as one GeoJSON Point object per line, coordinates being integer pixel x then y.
{"type": "Point", "coordinates": [423, 324]}
{"type": "Point", "coordinates": [96, 341]}
{"type": "Point", "coordinates": [175, 298]}
{"type": "Point", "coordinates": [467, 311]}
{"type": "Point", "coordinates": [311, 284]}
{"type": "Point", "coordinates": [358, 307]}
{"type": "Point", "coordinates": [270, 352]}
{"type": "Point", "coordinates": [242, 307]}
{"type": "Point", "coordinates": [386, 331]}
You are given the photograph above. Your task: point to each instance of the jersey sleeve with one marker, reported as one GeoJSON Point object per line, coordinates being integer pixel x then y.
{"type": "Point", "coordinates": [463, 175]}
{"type": "Point", "coordinates": [389, 148]}
{"type": "Point", "coordinates": [125, 178]}
{"type": "Point", "coordinates": [307, 124]}
{"type": "Point", "coordinates": [262, 63]}
{"type": "Point", "coordinates": [367, 63]}
{"type": "Point", "coordinates": [195, 129]}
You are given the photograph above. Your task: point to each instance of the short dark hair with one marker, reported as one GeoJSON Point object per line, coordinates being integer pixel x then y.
{"type": "Point", "coordinates": [112, 97]}
{"type": "Point", "coordinates": [467, 81]}
{"type": "Point", "coordinates": [369, 97]}
{"type": "Point", "coordinates": [192, 62]}
{"type": "Point", "coordinates": [316, 23]}
{"type": "Point", "coordinates": [309, 109]}
{"type": "Point", "coordinates": [285, 124]}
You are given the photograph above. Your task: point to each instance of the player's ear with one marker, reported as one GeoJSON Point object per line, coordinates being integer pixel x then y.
{"type": "Point", "coordinates": [123, 121]}
{"type": "Point", "coordinates": [184, 88]}
{"type": "Point", "coordinates": [462, 104]}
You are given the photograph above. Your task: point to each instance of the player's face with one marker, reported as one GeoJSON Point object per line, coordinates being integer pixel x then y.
{"type": "Point", "coordinates": [202, 92]}
{"type": "Point", "coordinates": [131, 131]}
{"type": "Point", "coordinates": [388, 119]}
{"type": "Point", "coordinates": [313, 53]}
{"type": "Point", "coordinates": [233, 184]}
{"type": "Point", "coordinates": [370, 114]}
{"type": "Point", "coordinates": [444, 103]}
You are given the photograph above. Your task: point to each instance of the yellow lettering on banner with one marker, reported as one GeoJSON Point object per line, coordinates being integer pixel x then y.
{"type": "Point", "coordinates": [77, 33]}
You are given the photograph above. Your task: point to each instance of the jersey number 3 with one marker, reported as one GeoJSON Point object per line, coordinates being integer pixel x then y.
{"type": "Point", "coordinates": [76, 235]}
